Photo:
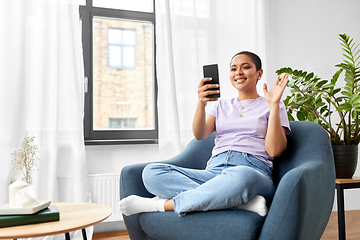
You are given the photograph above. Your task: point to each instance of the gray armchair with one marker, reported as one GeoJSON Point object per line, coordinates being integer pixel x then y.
{"type": "Point", "coordinates": [304, 176]}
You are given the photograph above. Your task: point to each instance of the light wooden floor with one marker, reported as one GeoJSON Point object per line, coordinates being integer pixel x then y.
{"type": "Point", "coordinates": [117, 235]}
{"type": "Point", "coordinates": [352, 220]}
{"type": "Point", "coordinates": [352, 223]}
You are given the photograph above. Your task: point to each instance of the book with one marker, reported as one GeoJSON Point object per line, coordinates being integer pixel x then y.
{"type": "Point", "coordinates": [49, 214]}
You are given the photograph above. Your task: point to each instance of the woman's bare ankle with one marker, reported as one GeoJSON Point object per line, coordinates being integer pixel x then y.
{"type": "Point", "coordinates": [169, 205]}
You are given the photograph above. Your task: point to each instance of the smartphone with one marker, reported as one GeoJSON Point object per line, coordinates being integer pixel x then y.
{"type": "Point", "coordinates": [212, 71]}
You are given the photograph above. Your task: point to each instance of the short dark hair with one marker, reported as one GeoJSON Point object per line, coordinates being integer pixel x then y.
{"type": "Point", "coordinates": [254, 58]}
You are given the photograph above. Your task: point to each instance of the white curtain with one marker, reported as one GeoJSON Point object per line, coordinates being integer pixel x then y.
{"type": "Point", "coordinates": [42, 94]}
{"type": "Point", "coordinates": [193, 33]}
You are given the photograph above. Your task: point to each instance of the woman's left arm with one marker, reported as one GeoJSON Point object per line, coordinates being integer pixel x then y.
{"type": "Point", "coordinates": [275, 140]}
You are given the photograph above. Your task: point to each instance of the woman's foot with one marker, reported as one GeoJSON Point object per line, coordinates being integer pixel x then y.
{"type": "Point", "coordinates": [134, 204]}
{"type": "Point", "coordinates": [257, 204]}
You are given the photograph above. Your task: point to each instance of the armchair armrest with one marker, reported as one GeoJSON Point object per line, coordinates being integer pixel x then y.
{"type": "Point", "coordinates": [306, 186]}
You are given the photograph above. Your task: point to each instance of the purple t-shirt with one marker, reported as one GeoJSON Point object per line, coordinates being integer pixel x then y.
{"type": "Point", "coordinates": [246, 133]}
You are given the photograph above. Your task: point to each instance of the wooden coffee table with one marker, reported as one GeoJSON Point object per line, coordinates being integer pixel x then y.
{"type": "Point", "coordinates": [73, 216]}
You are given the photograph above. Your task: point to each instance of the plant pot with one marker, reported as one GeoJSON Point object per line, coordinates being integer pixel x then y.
{"type": "Point", "coordinates": [345, 157]}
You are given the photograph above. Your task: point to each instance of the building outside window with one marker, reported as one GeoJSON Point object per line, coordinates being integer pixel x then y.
{"type": "Point", "coordinates": [121, 44]}
{"type": "Point", "coordinates": [122, 123]}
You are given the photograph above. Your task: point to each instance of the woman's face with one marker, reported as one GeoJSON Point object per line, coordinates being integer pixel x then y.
{"type": "Point", "coordinates": [243, 73]}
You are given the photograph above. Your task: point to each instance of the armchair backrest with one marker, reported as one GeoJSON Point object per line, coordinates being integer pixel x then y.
{"type": "Point", "coordinates": [306, 143]}
{"type": "Point", "coordinates": [306, 138]}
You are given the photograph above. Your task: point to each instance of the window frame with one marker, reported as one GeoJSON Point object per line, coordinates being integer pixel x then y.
{"type": "Point", "coordinates": [109, 137]}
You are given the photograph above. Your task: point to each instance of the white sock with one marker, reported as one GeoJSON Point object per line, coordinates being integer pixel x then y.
{"type": "Point", "coordinates": [257, 204]}
{"type": "Point", "coordinates": [134, 204]}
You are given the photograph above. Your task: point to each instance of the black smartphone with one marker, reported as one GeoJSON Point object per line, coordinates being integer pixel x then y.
{"type": "Point", "coordinates": [212, 71]}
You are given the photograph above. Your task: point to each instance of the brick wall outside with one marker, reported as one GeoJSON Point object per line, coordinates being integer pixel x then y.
{"type": "Point", "coordinates": [123, 93]}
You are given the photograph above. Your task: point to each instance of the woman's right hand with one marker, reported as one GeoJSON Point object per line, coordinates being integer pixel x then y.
{"type": "Point", "coordinates": [203, 126]}
{"type": "Point", "coordinates": [203, 93]}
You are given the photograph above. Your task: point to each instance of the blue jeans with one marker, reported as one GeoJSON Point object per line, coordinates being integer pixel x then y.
{"type": "Point", "coordinates": [230, 179]}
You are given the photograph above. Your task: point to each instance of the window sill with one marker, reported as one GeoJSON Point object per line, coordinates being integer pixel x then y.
{"type": "Point", "coordinates": [121, 142]}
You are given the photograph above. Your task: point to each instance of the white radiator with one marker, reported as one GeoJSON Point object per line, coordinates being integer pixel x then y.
{"type": "Point", "coordinates": [105, 190]}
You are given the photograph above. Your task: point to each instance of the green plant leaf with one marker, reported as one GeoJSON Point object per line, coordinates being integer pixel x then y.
{"type": "Point", "coordinates": [346, 93]}
{"type": "Point", "coordinates": [330, 85]}
{"type": "Point", "coordinates": [353, 114]}
{"type": "Point", "coordinates": [335, 91]}
{"type": "Point", "coordinates": [284, 70]}
{"type": "Point", "coordinates": [344, 106]}
{"type": "Point", "coordinates": [348, 88]}
{"type": "Point", "coordinates": [309, 76]}
{"type": "Point", "coordinates": [349, 57]}
{"type": "Point", "coordinates": [310, 117]}
{"type": "Point", "coordinates": [335, 77]}
{"type": "Point", "coordinates": [357, 109]}
{"type": "Point", "coordinates": [300, 116]}
{"type": "Point", "coordinates": [323, 109]}
{"type": "Point", "coordinates": [354, 99]}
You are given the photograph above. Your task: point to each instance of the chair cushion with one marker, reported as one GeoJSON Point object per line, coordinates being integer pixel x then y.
{"type": "Point", "coordinates": [223, 224]}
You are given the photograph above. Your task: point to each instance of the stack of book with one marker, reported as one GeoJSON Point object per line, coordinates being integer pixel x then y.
{"type": "Point", "coordinates": [9, 218]}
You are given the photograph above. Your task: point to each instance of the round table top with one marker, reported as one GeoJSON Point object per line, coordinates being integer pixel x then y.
{"type": "Point", "coordinates": [73, 216]}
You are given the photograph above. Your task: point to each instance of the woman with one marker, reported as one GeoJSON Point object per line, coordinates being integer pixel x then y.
{"type": "Point", "coordinates": [250, 131]}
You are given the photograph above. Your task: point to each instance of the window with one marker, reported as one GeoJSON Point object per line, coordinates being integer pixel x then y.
{"type": "Point", "coordinates": [121, 43]}
{"type": "Point", "coordinates": [118, 45]}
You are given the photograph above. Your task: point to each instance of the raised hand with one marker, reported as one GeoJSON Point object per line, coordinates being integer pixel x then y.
{"type": "Point", "coordinates": [274, 96]}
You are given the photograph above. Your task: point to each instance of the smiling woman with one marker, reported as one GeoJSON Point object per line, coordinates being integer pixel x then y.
{"type": "Point", "coordinates": [239, 172]}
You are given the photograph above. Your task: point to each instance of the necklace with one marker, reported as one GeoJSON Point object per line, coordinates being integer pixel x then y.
{"type": "Point", "coordinates": [242, 108]}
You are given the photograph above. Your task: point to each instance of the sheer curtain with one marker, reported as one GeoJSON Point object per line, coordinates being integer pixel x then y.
{"type": "Point", "coordinates": [41, 94]}
{"type": "Point", "coordinates": [190, 34]}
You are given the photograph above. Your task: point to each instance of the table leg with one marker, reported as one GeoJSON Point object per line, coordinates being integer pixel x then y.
{"type": "Point", "coordinates": [67, 236]}
{"type": "Point", "coordinates": [84, 234]}
{"type": "Point", "coordinates": [341, 213]}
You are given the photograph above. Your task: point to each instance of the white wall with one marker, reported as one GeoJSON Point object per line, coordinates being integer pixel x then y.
{"type": "Point", "coordinates": [304, 35]}
{"type": "Point", "coordinates": [301, 34]}
{"type": "Point", "coordinates": [111, 159]}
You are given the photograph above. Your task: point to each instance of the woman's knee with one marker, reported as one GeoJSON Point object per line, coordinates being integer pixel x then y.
{"type": "Point", "coordinates": [247, 179]}
{"type": "Point", "coordinates": [151, 174]}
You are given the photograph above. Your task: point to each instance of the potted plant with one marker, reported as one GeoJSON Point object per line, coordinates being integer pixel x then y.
{"type": "Point", "coordinates": [317, 100]}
